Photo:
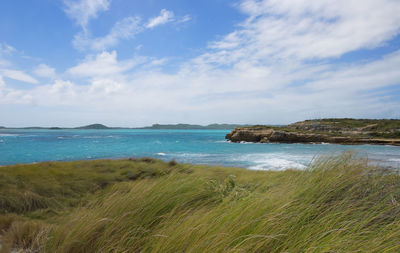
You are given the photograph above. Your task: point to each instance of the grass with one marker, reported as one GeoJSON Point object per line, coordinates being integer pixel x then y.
{"type": "Point", "coordinates": [338, 204]}
{"type": "Point", "coordinates": [362, 128]}
{"type": "Point", "coordinates": [383, 128]}
{"type": "Point", "coordinates": [59, 185]}
{"type": "Point", "coordinates": [372, 124]}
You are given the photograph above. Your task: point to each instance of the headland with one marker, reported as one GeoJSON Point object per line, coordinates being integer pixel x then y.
{"type": "Point", "coordinates": [337, 131]}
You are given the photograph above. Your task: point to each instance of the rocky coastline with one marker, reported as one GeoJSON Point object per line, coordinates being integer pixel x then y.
{"type": "Point", "coordinates": [309, 133]}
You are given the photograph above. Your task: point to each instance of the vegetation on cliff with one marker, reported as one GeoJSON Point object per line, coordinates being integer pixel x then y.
{"type": "Point", "coordinates": [390, 128]}
{"type": "Point", "coordinates": [338, 204]}
{"type": "Point", "coordinates": [342, 131]}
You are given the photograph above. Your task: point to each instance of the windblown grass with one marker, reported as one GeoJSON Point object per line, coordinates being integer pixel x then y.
{"type": "Point", "coordinates": [338, 204]}
{"type": "Point", "coordinates": [58, 185]}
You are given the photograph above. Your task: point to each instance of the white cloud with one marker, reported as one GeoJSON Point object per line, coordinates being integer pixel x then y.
{"type": "Point", "coordinates": [157, 62]}
{"type": "Point", "coordinates": [265, 74]}
{"type": "Point", "coordinates": [4, 63]}
{"type": "Point", "coordinates": [253, 95]}
{"type": "Point", "coordinates": [18, 75]}
{"type": "Point", "coordinates": [185, 19]}
{"type": "Point", "coordinates": [124, 29]}
{"type": "Point", "coordinates": [315, 28]}
{"type": "Point", "coordinates": [103, 64]}
{"type": "Point", "coordinates": [43, 70]}
{"type": "Point", "coordinates": [275, 68]}
{"type": "Point", "coordinates": [230, 41]}
{"type": "Point", "coordinates": [361, 77]}
{"type": "Point", "coordinates": [164, 17]}
{"type": "Point", "coordinates": [84, 10]}
{"type": "Point", "coordinates": [2, 84]}
{"type": "Point", "coordinates": [6, 49]}
{"type": "Point", "coordinates": [105, 86]}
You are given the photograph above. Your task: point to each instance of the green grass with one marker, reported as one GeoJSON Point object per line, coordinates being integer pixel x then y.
{"type": "Point", "coordinates": [367, 128]}
{"type": "Point", "coordinates": [26, 188]}
{"type": "Point", "coordinates": [339, 204]}
{"type": "Point", "coordinates": [380, 125]}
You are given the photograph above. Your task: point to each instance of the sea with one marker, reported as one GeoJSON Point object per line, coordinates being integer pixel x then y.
{"type": "Point", "coordinates": [22, 146]}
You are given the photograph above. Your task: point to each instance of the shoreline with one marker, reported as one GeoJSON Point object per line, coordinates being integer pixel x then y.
{"type": "Point", "coordinates": [382, 163]}
{"type": "Point", "coordinates": [270, 135]}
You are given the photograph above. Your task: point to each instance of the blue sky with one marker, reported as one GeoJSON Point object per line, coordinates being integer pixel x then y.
{"type": "Point", "coordinates": [134, 63]}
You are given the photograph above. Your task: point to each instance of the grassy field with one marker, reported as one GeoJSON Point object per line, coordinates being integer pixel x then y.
{"type": "Point", "coordinates": [338, 204]}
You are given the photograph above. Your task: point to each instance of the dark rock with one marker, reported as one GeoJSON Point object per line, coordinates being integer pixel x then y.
{"type": "Point", "coordinates": [265, 135]}
{"type": "Point", "coordinates": [248, 134]}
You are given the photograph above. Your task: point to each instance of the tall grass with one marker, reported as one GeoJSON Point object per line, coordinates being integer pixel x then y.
{"type": "Point", "coordinates": [338, 204]}
{"type": "Point", "coordinates": [58, 185]}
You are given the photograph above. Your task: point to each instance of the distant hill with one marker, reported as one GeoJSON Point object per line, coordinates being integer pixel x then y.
{"type": "Point", "coordinates": [154, 126]}
{"type": "Point", "coordinates": [189, 126]}
{"type": "Point", "coordinates": [93, 126]}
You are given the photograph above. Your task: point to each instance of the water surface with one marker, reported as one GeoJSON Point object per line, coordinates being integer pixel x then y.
{"type": "Point", "coordinates": [189, 146]}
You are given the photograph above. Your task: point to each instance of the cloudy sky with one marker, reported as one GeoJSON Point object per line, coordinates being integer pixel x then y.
{"type": "Point", "coordinates": [134, 63]}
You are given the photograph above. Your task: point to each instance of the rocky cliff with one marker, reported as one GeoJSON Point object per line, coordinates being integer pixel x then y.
{"type": "Point", "coordinates": [314, 132]}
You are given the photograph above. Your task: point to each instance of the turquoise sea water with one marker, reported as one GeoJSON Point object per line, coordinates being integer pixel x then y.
{"type": "Point", "coordinates": [189, 146]}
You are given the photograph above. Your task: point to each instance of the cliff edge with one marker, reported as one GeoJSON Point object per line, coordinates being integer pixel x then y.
{"type": "Point", "coordinates": [339, 131]}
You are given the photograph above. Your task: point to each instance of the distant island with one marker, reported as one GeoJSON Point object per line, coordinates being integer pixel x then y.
{"type": "Point", "coordinates": [154, 126]}
{"type": "Point", "coordinates": [94, 126]}
{"type": "Point", "coordinates": [339, 131]}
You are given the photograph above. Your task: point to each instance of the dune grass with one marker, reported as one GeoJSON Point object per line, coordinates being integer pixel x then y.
{"type": "Point", "coordinates": [338, 204]}
{"type": "Point", "coordinates": [59, 185]}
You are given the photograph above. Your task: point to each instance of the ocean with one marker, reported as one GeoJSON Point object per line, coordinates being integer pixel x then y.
{"type": "Point", "coordinates": [187, 146]}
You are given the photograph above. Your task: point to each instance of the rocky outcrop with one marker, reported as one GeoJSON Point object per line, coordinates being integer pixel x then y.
{"type": "Point", "coordinates": [270, 135]}
{"type": "Point", "coordinates": [249, 134]}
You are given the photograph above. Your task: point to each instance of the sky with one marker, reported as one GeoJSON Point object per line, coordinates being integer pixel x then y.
{"type": "Point", "coordinates": [133, 63]}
